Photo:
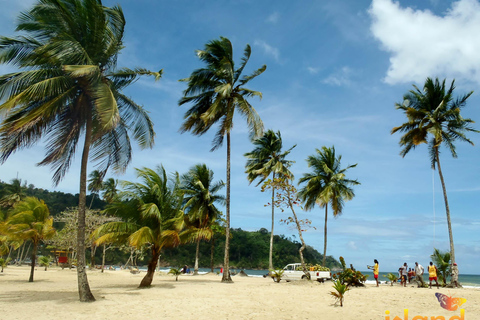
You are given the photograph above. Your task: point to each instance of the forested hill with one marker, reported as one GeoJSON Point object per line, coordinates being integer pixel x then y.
{"type": "Point", "coordinates": [248, 250]}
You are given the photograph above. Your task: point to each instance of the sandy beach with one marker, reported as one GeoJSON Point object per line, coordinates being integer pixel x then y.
{"type": "Point", "coordinates": [54, 295]}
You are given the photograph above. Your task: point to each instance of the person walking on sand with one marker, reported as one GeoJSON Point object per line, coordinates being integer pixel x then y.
{"type": "Point", "coordinates": [375, 270]}
{"type": "Point", "coordinates": [404, 274]}
{"type": "Point", "coordinates": [455, 275]}
{"type": "Point", "coordinates": [432, 274]}
{"type": "Point", "coordinates": [419, 274]}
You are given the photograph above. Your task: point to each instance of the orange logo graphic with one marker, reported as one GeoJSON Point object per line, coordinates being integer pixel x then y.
{"type": "Point", "coordinates": [449, 303]}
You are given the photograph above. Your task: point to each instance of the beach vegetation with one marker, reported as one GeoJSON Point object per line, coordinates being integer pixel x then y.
{"type": "Point", "coordinates": [442, 260]}
{"type": "Point", "coordinates": [13, 193]}
{"type": "Point", "coordinates": [30, 220]}
{"type": "Point", "coordinates": [267, 158]}
{"type": "Point", "coordinates": [44, 261]}
{"type": "Point", "coordinates": [4, 262]}
{"type": "Point", "coordinates": [392, 278]}
{"type": "Point", "coordinates": [200, 194]}
{"type": "Point", "coordinates": [151, 216]}
{"type": "Point", "coordinates": [340, 290]}
{"type": "Point", "coordinates": [326, 185]}
{"type": "Point", "coordinates": [69, 87]}
{"type": "Point", "coordinates": [276, 274]}
{"type": "Point", "coordinates": [433, 117]}
{"type": "Point", "coordinates": [349, 276]}
{"type": "Point", "coordinates": [95, 184]}
{"type": "Point", "coordinates": [216, 92]}
{"type": "Point", "coordinates": [176, 272]}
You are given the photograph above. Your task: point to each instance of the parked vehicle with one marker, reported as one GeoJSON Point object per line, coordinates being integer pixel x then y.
{"type": "Point", "coordinates": [294, 271]}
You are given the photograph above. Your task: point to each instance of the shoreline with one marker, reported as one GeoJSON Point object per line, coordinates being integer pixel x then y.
{"type": "Point", "coordinates": [54, 294]}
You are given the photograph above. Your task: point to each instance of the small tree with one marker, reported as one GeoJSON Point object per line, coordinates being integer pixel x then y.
{"type": "Point", "coordinates": [287, 197]}
{"type": "Point", "coordinates": [339, 293]}
{"type": "Point", "coordinates": [393, 278]}
{"type": "Point", "coordinates": [442, 261]}
{"type": "Point", "coordinates": [176, 272]}
{"type": "Point", "coordinates": [4, 263]}
{"type": "Point", "coordinates": [45, 261]}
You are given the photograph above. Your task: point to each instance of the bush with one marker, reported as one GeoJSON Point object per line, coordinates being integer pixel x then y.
{"type": "Point", "coordinates": [350, 277]}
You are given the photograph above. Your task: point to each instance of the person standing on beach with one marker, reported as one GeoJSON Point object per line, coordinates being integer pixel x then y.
{"type": "Point", "coordinates": [419, 274]}
{"type": "Point", "coordinates": [375, 270]}
{"type": "Point", "coordinates": [432, 274]}
{"type": "Point", "coordinates": [455, 275]}
{"type": "Point", "coordinates": [404, 274]}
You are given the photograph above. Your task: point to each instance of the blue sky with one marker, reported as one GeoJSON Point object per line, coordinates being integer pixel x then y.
{"type": "Point", "coordinates": [335, 69]}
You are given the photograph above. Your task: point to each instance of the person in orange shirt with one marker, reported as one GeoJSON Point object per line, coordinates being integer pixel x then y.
{"type": "Point", "coordinates": [432, 274]}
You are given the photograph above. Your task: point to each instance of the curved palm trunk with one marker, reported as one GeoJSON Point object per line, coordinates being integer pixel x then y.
{"type": "Point", "coordinates": [300, 235]}
{"type": "Point", "coordinates": [152, 265]}
{"type": "Point", "coordinates": [447, 208]}
{"type": "Point", "coordinates": [270, 254]}
{"type": "Point", "coordinates": [83, 286]}
{"type": "Point", "coordinates": [34, 258]}
{"type": "Point", "coordinates": [325, 238]}
{"type": "Point", "coordinates": [195, 268]}
{"type": "Point", "coordinates": [103, 258]}
{"type": "Point", "coordinates": [226, 261]}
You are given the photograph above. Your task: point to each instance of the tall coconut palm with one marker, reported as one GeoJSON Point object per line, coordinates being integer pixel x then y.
{"type": "Point", "coordinates": [267, 158]}
{"type": "Point", "coordinates": [216, 92]}
{"type": "Point", "coordinates": [69, 88]}
{"type": "Point", "coordinates": [151, 213]}
{"type": "Point", "coordinates": [30, 220]}
{"type": "Point", "coordinates": [95, 183]}
{"type": "Point", "coordinates": [13, 193]}
{"type": "Point", "coordinates": [326, 185]}
{"type": "Point", "coordinates": [200, 196]}
{"type": "Point", "coordinates": [434, 118]}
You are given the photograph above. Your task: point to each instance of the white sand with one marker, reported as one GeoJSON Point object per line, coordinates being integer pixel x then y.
{"type": "Point", "coordinates": [54, 295]}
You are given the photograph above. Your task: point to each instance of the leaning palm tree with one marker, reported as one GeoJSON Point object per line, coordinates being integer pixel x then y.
{"type": "Point", "coordinates": [30, 220]}
{"type": "Point", "coordinates": [267, 158]}
{"type": "Point", "coordinates": [95, 183]}
{"type": "Point", "coordinates": [67, 88]}
{"type": "Point", "coordinates": [216, 92]}
{"type": "Point", "coordinates": [200, 196]}
{"type": "Point", "coordinates": [434, 118]}
{"type": "Point", "coordinates": [326, 185]}
{"type": "Point", "coordinates": [151, 216]}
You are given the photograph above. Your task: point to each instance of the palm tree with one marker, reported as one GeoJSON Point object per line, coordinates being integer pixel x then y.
{"type": "Point", "coordinates": [45, 261]}
{"type": "Point", "coordinates": [69, 88]}
{"type": "Point", "coordinates": [199, 204]}
{"type": "Point", "coordinates": [14, 193]}
{"type": "Point", "coordinates": [434, 118]}
{"type": "Point", "coordinates": [216, 91]}
{"type": "Point", "coordinates": [442, 261]}
{"type": "Point", "coordinates": [151, 213]}
{"type": "Point", "coordinates": [95, 183]}
{"type": "Point", "coordinates": [30, 220]}
{"type": "Point", "coordinates": [267, 158]}
{"type": "Point", "coordinates": [110, 190]}
{"type": "Point", "coordinates": [326, 185]}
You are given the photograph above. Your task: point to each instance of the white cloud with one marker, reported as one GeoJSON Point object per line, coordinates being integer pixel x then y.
{"type": "Point", "coordinates": [340, 77]}
{"type": "Point", "coordinates": [313, 70]}
{"type": "Point", "coordinates": [273, 18]}
{"type": "Point", "coordinates": [351, 245]}
{"type": "Point", "coordinates": [423, 44]}
{"type": "Point", "coordinates": [268, 49]}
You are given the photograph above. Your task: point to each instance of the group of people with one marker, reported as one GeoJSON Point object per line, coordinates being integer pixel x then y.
{"type": "Point", "coordinates": [406, 274]}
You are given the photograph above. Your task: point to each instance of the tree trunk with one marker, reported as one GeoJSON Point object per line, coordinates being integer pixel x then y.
{"type": "Point", "coordinates": [212, 251]}
{"type": "Point", "coordinates": [300, 235]}
{"type": "Point", "coordinates": [91, 202]}
{"type": "Point", "coordinates": [226, 261]}
{"type": "Point", "coordinates": [147, 280]}
{"type": "Point", "coordinates": [34, 257]}
{"type": "Point", "coordinates": [19, 254]}
{"type": "Point", "coordinates": [195, 268]}
{"type": "Point", "coordinates": [23, 257]}
{"type": "Point", "coordinates": [270, 253]}
{"type": "Point", "coordinates": [103, 258]}
{"type": "Point", "coordinates": [447, 208]}
{"type": "Point", "coordinates": [325, 238]}
{"type": "Point", "coordinates": [83, 287]}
